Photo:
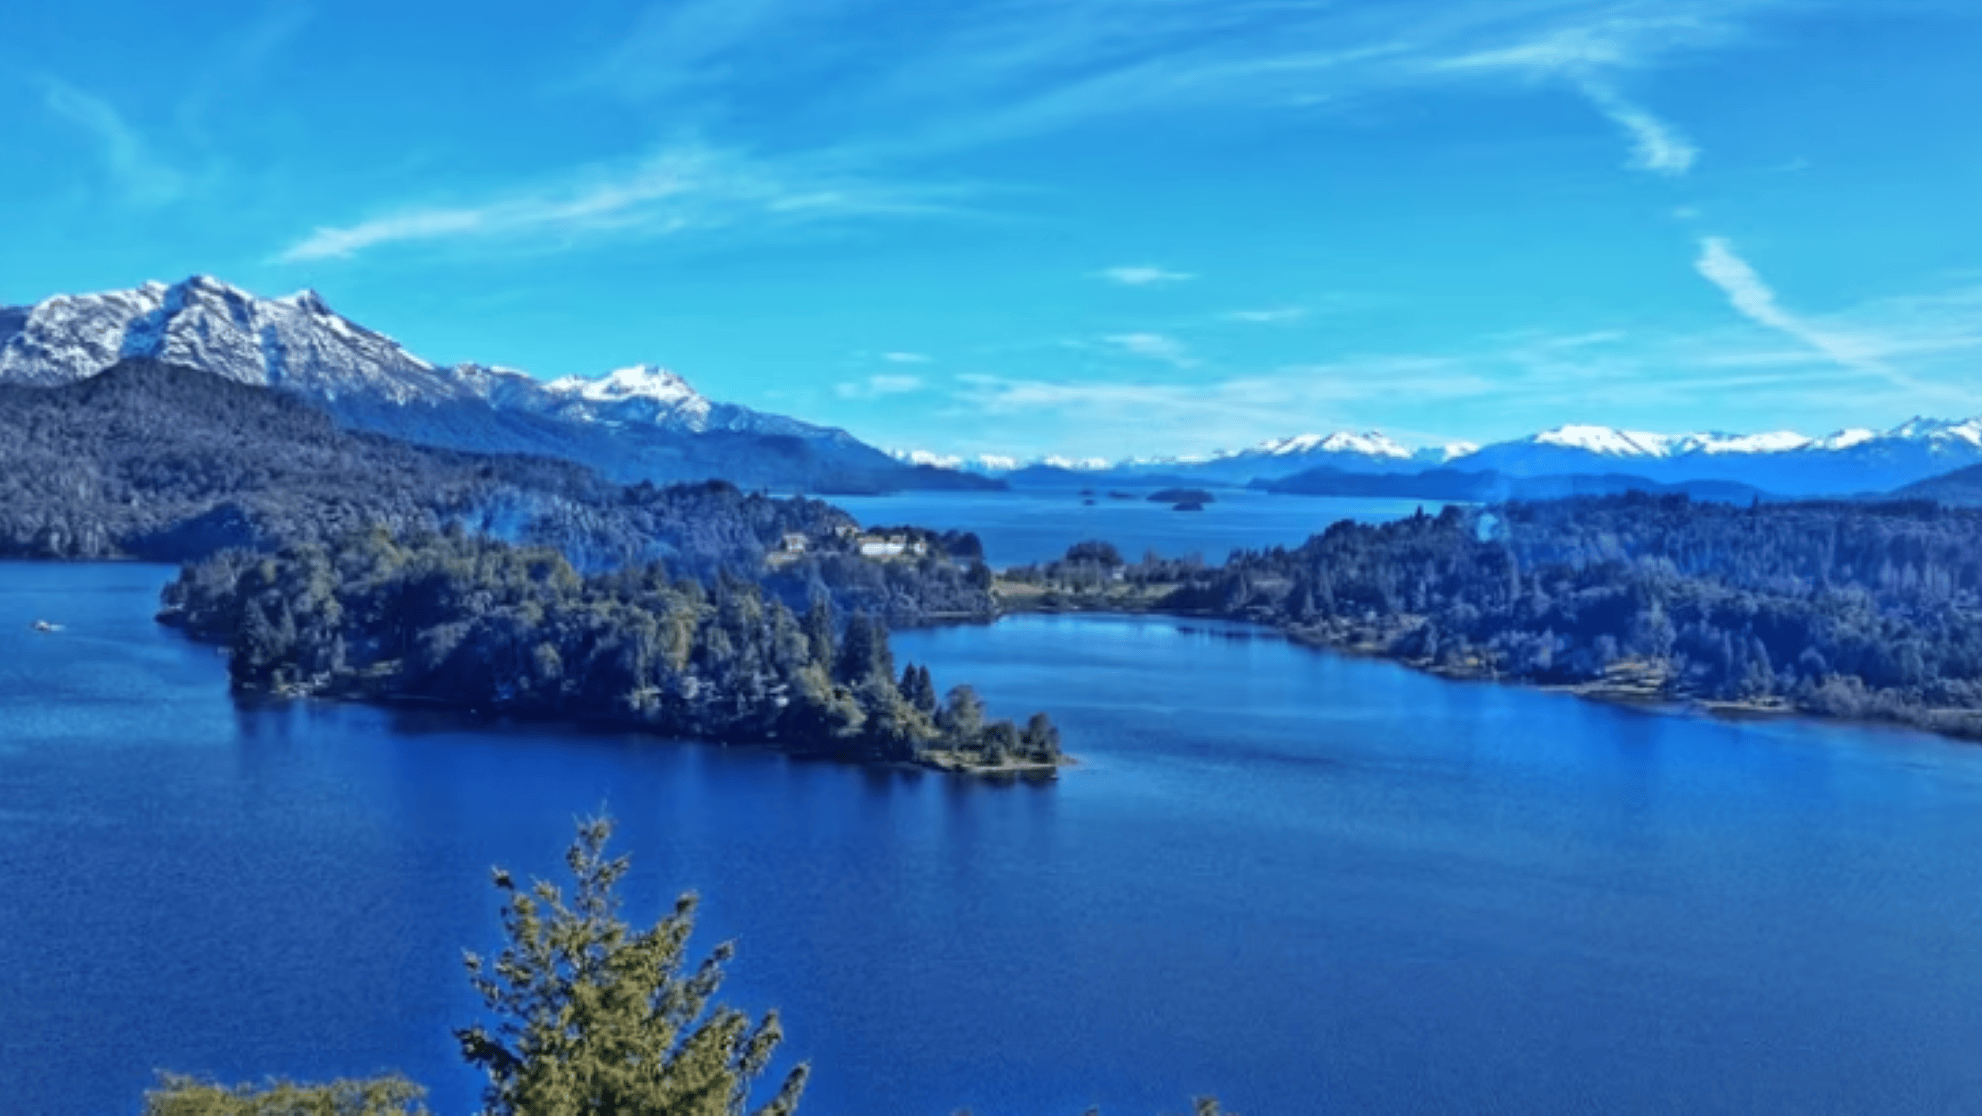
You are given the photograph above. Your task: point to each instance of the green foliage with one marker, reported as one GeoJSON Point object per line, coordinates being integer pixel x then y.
{"type": "Point", "coordinates": [1843, 609]}
{"type": "Point", "coordinates": [592, 1016]}
{"type": "Point", "coordinates": [479, 624]}
{"type": "Point", "coordinates": [177, 1095]}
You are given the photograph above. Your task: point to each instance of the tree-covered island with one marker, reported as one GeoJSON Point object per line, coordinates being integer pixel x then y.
{"type": "Point", "coordinates": [468, 622]}
{"type": "Point", "coordinates": [1838, 609]}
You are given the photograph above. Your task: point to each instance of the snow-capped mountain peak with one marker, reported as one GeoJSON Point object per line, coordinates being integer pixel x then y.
{"type": "Point", "coordinates": [295, 342]}
{"type": "Point", "coordinates": [1607, 441]}
{"type": "Point", "coordinates": [644, 393]}
{"type": "Point", "coordinates": [298, 343]}
{"type": "Point", "coordinates": [1966, 431]}
{"type": "Point", "coordinates": [1775, 441]}
{"type": "Point", "coordinates": [1371, 444]}
{"type": "Point", "coordinates": [642, 381]}
{"type": "Point", "coordinates": [987, 464]}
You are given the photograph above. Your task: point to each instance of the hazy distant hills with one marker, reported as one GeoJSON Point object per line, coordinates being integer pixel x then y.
{"type": "Point", "coordinates": [639, 423]}
{"type": "Point", "coordinates": [1783, 462]}
{"type": "Point", "coordinates": [1486, 486]}
{"type": "Point", "coordinates": [1963, 486]}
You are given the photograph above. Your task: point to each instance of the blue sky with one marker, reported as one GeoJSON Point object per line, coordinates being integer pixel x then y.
{"type": "Point", "coordinates": [1104, 227]}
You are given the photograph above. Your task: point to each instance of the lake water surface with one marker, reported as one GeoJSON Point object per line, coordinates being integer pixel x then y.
{"type": "Point", "coordinates": [1034, 525]}
{"type": "Point", "coordinates": [1306, 883]}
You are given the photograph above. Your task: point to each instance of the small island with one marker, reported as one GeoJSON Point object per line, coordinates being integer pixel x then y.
{"type": "Point", "coordinates": [465, 622]}
{"type": "Point", "coordinates": [1182, 499]}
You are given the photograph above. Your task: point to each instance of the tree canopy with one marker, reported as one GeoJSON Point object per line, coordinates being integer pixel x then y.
{"type": "Point", "coordinates": [588, 1015]}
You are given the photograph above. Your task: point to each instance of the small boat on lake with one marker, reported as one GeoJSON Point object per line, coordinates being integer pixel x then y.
{"type": "Point", "coordinates": [45, 626]}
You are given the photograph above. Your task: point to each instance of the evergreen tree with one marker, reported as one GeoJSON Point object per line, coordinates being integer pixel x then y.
{"type": "Point", "coordinates": [819, 631]}
{"type": "Point", "coordinates": [1041, 738]}
{"type": "Point", "coordinates": [177, 1095]}
{"type": "Point", "coordinates": [593, 1017]}
{"type": "Point", "coordinates": [962, 716]}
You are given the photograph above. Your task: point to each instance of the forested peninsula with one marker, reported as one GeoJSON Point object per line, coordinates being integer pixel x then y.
{"type": "Point", "coordinates": [473, 623]}
{"type": "Point", "coordinates": [1837, 609]}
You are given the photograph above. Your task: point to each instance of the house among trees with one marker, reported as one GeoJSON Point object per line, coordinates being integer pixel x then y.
{"type": "Point", "coordinates": [891, 546]}
{"type": "Point", "coordinates": [790, 548]}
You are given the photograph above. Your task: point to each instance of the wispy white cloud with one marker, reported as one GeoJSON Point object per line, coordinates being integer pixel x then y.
{"type": "Point", "coordinates": [1754, 299]}
{"type": "Point", "coordinates": [678, 44]}
{"type": "Point", "coordinates": [1583, 57]}
{"type": "Point", "coordinates": [138, 173]}
{"type": "Point", "coordinates": [874, 387]}
{"type": "Point", "coordinates": [1154, 346]}
{"type": "Point", "coordinates": [1656, 145]}
{"type": "Point", "coordinates": [1277, 314]}
{"type": "Point", "coordinates": [990, 72]}
{"type": "Point", "coordinates": [1156, 417]}
{"type": "Point", "coordinates": [685, 188]}
{"type": "Point", "coordinates": [1143, 276]}
{"type": "Point", "coordinates": [984, 73]}
{"type": "Point", "coordinates": [905, 358]}
{"type": "Point", "coordinates": [1812, 372]}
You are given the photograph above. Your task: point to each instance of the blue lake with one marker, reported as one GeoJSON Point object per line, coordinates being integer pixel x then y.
{"type": "Point", "coordinates": [1034, 525]}
{"type": "Point", "coordinates": [1303, 882]}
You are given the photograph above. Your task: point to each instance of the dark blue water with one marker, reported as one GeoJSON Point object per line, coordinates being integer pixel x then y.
{"type": "Point", "coordinates": [1305, 883]}
{"type": "Point", "coordinates": [1035, 525]}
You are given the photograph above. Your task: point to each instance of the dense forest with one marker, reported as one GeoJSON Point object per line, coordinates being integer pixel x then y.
{"type": "Point", "coordinates": [476, 623]}
{"type": "Point", "coordinates": [1838, 609]}
{"type": "Point", "coordinates": [153, 461]}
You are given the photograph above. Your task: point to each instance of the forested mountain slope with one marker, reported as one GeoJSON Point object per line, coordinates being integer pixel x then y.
{"type": "Point", "coordinates": [153, 461]}
{"type": "Point", "coordinates": [639, 423]}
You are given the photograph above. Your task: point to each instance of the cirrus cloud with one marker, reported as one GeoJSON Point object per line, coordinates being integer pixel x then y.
{"type": "Point", "coordinates": [877, 386]}
{"type": "Point", "coordinates": [1143, 276]}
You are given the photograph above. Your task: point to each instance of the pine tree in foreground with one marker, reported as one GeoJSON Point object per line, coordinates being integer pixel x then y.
{"type": "Point", "coordinates": [592, 1016]}
{"type": "Point", "coordinates": [588, 1017]}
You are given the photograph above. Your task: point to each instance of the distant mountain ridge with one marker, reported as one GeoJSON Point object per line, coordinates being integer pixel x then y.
{"type": "Point", "coordinates": [1366, 452]}
{"type": "Point", "coordinates": [638, 423]}
{"type": "Point", "coordinates": [1487, 486]}
{"type": "Point", "coordinates": [1962, 487]}
{"type": "Point", "coordinates": [1847, 462]}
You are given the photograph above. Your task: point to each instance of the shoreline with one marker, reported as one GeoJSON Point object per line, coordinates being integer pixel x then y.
{"type": "Point", "coordinates": [942, 760]}
{"type": "Point", "coordinates": [1634, 695]}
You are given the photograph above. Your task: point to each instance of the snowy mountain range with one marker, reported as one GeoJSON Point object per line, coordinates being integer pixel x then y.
{"type": "Point", "coordinates": [1784, 462]}
{"type": "Point", "coordinates": [1846, 462]}
{"type": "Point", "coordinates": [641, 422]}
{"type": "Point", "coordinates": [645, 422]}
{"type": "Point", "coordinates": [1369, 452]}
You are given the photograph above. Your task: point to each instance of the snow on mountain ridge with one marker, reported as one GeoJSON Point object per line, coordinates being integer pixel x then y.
{"type": "Point", "coordinates": [1371, 444]}
{"type": "Point", "coordinates": [641, 381]}
{"type": "Point", "coordinates": [987, 464]}
{"type": "Point", "coordinates": [298, 343]}
{"type": "Point", "coordinates": [1608, 441]}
